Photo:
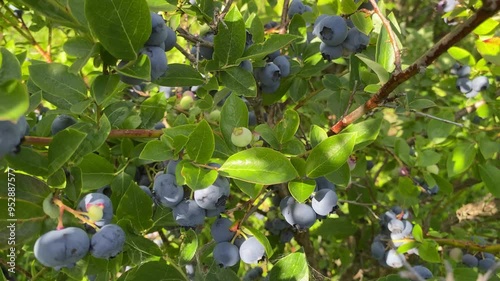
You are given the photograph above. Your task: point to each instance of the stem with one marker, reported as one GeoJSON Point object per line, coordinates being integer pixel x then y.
{"type": "Point", "coordinates": [309, 97]}
{"type": "Point", "coordinates": [488, 9]}
{"type": "Point", "coordinates": [194, 39]}
{"type": "Point", "coordinates": [284, 15]}
{"type": "Point", "coordinates": [189, 56]}
{"type": "Point", "coordinates": [77, 214]}
{"type": "Point", "coordinates": [392, 36]}
{"type": "Point", "coordinates": [495, 248]}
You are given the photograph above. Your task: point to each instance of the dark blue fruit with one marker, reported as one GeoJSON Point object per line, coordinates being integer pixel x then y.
{"type": "Point", "coordinates": [61, 122]}
{"type": "Point", "coordinates": [107, 242]}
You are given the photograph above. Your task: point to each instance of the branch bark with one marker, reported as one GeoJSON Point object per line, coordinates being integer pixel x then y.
{"type": "Point", "coordinates": [488, 9]}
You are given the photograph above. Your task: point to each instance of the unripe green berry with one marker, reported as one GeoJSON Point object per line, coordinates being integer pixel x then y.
{"type": "Point", "coordinates": [50, 208]}
{"type": "Point", "coordinates": [215, 115]}
{"type": "Point", "coordinates": [241, 137]}
{"type": "Point", "coordinates": [95, 212]}
{"type": "Point", "coordinates": [186, 102]}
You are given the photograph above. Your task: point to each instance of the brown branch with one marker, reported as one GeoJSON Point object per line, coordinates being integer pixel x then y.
{"type": "Point", "coordinates": [194, 39]}
{"type": "Point", "coordinates": [488, 9]}
{"type": "Point", "coordinates": [138, 133]}
{"type": "Point", "coordinates": [284, 16]}
{"type": "Point", "coordinates": [189, 56]}
{"type": "Point", "coordinates": [495, 248]}
{"type": "Point", "coordinates": [392, 36]}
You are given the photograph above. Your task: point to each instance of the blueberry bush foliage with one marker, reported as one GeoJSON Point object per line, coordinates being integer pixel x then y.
{"type": "Point", "coordinates": [249, 140]}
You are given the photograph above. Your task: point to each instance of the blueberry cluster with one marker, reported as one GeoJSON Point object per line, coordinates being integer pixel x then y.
{"type": "Point", "coordinates": [64, 247]}
{"type": "Point", "coordinates": [297, 7]}
{"type": "Point", "coordinates": [338, 35]}
{"type": "Point", "coordinates": [161, 40]}
{"type": "Point", "coordinates": [483, 261]}
{"type": "Point", "coordinates": [11, 135]}
{"type": "Point", "coordinates": [230, 249]}
{"type": "Point", "coordinates": [470, 88]}
{"type": "Point", "coordinates": [303, 215]}
{"type": "Point", "coordinates": [281, 228]}
{"type": "Point", "coordinates": [395, 230]}
{"type": "Point", "coordinates": [270, 75]}
{"type": "Point", "coordinates": [207, 202]}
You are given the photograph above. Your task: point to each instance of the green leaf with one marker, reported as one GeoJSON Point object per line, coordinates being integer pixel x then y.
{"type": "Point", "coordinates": [384, 53]}
{"type": "Point", "coordinates": [139, 68]}
{"type": "Point", "coordinates": [239, 80]}
{"type": "Point", "coordinates": [57, 179]}
{"type": "Point", "coordinates": [382, 73]}
{"type": "Point", "coordinates": [445, 187]}
{"type": "Point", "coordinates": [288, 126]}
{"type": "Point", "coordinates": [262, 239]}
{"type": "Point", "coordinates": [29, 161]}
{"type": "Point", "coordinates": [438, 130]}
{"type": "Point", "coordinates": [273, 43]}
{"type": "Point", "coordinates": [348, 7]}
{"type": "Point", "coordinates": [362, 22]}
{"type": "Point", "coordinates": [104, 88]}
{"type": "Point", "coordinates": [317, 135]}
{"type": "Point", "coordinates": [153, 270]}
{"type": "Point", "coordinates": [60, 87]}
{"type": "Point", "coordinates": [292, 267]}
{"type": "Point", "coordinates": [153, 109]}
{"type": "Point", "coordinates": [201, 143]}
{"type": "Point", "coordinates": [259, 165]}
{"type": "Point", "coordinates": [10, 69]}
{"type": "Point", "coordinates": [122, 26]}
{"type": "Point", "coordinates": [96, 172]}
{"type": "Point", "coordinates": [463, 155]}
{"type": "Point", "coordinates": [250, 189]}
{"type": "Point", "coordinates": [406, 247]}
{"type": "Point", "coordinates": [489, 49]}
{"type": "Point", "coordinates": [341, 176]}
{"type": "Point", "coordinates": [62, 147]}
{"type": "Point", "coordinates": [27, 211]}
{"type": "Point", "coordinates": [189, 245]}
{"type": "Point", "coordinates": [491, 177]}
{"type": "Point", "coordinates": [402, 150]}
{"type": "Point", "coordinates": [136, 206]}
{"type": "Point", "coordinates": [331, 82]}
{"type": "Point", "coordinates": [180, 75]}
{"type": "Point", "coordinates": [229, 43]}
{"type": "Point", "coordinates": [234, 114]}
{"type": "Point", "coordinates": [421, 104]}
{"type": "Point", "coordinates": [196, 177]}
{"type": "Point", "coordinates": [15, 100]}
{"type": "Point", "coordinates": [301, 189]}
{"type": "Point", "coordinates": [53, 10]}
{"type": "Point", "coordinates": [418, 233]}
{"type": "Point", "coordinates": [366, 132]}
{"type": "Point", "coordinates": [427, 157]}
{"type": "Point", "coordinates": [268, 135]}
{"type": "Point", "coordinates": [156, 150]}
{"type": "Point", "coordinates": [329, 155]}
{"type": "Point", "coordinates": [428, 251]}
{"type": "Point", "coordinates": [462, 55]}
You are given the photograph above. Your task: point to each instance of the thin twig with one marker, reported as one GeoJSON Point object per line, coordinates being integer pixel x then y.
{"type": "Point", "coordinates": [192, 38]}
{"type": "Point", "coordinates": [189, 56]}
{"type": "Point", "coordinates": [351, 99]}
{"type": "Point", "coordinates": [495, 248]}
{"type": "Point", "coordinates": [488, 9]}
{"type": "Point", "coordinates": [392, 36]}
{"type": "Point", "coordinates": [436, 118]}
{"type": "Point", "coordinates": [284, 16]}
{"type": "Point", "coordinates": [310, 96]}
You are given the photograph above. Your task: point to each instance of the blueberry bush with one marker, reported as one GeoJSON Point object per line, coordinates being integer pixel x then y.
{"type": "Point", "coordinates": [249, 140]}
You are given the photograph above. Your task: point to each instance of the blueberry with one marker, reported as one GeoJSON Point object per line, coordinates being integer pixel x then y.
{"type": "Point", "coordinates": [159, 32]}
{"type": "Point", "coordinates": [220, 230]}
{"type": "Point", "coordinates": [188, 213]}
{"type": "Point", "coordinates": [61, 122]}
{"type": "Point", "coordinates": [356, 41]}
{"type": "Point", "coordinates": [62, 248]}
{"type": "Point", "coordinates": [158, 58]}
{"type": "Point", "coordinates": [101, 201]}
{"type": "Point", "coordinates": [332, 30]}
{"type": "Point", "coordinates": [253, 274]}
{"type": "Point", "coordinates": [485, 264]}
{"type": "Point", "coordinates": [11, 135]}
{"type": "Point", "coordinates": [330, 53]}
{"type": "Point", "coordinates": [470, 260]}
{"type": "Point", "coordinates": [226, 254]}
{"type": "Point", "coordinates": [393, 259]}
{"type": "Point", "coordinates": [480, 83]}
{"type": "Point", "coordinates": [324, 183]}
{"type": "Point", "coordinates": [324, 202]}
{"type": "Point", "coordinates": [269, 74]}
{"type": "Point", "coordinates": [214, 196]}
{"type": "Point", "coordinates": [207, 52]}
{"type": "Point", "coordinates": [107, 242]}
{"type": "Point", "coordinates": [166, 190]}
{"type": "Point", "coordinates": [423, 271]}
{"type": "Point", "coordinates": [296, 7]}
{"type": "Point", "coordinates": [246, 65]}
{"type": "Point", "coordinates": [377, 250]}
{"type": "Point", "coordinates": [283, 64]}
{"type": "Point", "coordinates": [269, 89]}
{"type": "Point", "coordinates": [252, 251]}
{"type": "Point", "coordinates": [169, 43]}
